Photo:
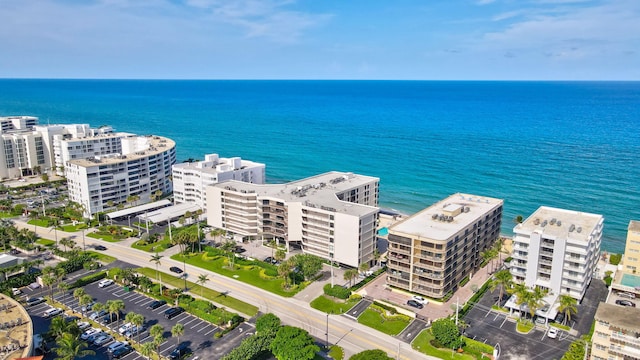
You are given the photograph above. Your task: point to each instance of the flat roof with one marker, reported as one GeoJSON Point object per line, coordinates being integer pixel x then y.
{"type": "Point", "coordinates": [5, 258]}
{"type": "Point", "coordinates": [634, 226]}
{"type": "Point", "coordinates": [425, 224]}
{"type": "Point", "coordinates": [625, 317]}
{"type": "Point", "coordinates": [169, 213]}
{"type": "Point", "coordinates": [560, 223]}
{"type": "Point", "coordinates": [140, 208]}
{"type": "Point", "coordinates": [208, 167]}
{"type": "Point", "coordinates": [156, 145]}
{"type": "Point", "coordinates": [316, 191]}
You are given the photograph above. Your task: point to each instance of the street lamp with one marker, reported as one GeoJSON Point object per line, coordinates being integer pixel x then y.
{"type": "Point", "coordinates": [327, 333]}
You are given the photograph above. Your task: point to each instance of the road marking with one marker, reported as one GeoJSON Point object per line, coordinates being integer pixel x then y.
{"type": "Point", "coordinates": [214, 329]}
{"type": "Point", "coordinates": [192, 320]}
{"type": "Point", "coordinates": [144, 298]}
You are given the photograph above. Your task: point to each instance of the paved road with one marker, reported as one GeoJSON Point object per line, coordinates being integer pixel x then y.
{"type": "Point", "coordinates": [351, 336]}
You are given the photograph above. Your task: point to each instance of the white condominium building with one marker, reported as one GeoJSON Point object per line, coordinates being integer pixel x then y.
{"type": "Point", "coordinates": [332, 215]}
{"type": "Point", "coordinates": [141, 169]}
{"type": "Point", "coordinates": [190, 179]}
{"type": "Point", "coordinates": [431, 252]}
{"type": "Point", "coordinates": [22, 152]}
{"type": "Point", "coordinates": [558, 250]}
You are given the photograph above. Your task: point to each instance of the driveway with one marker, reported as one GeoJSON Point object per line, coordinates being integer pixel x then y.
{"type": "Point", "coordinates": [410, 332]}
{"type": "Point", "coordinates": [358, 309]}
{"type": "Point", "coordinates": [596, 293]}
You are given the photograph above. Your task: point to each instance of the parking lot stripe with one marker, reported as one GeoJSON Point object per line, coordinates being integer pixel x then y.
{"type": "Point", "coordinates": [189, 322]}
{"type": "Point", "coordinates": [214, 329]}
{"type": "Point", "coordinates": [163, 310]}
{"type": "Point", "coordinates": [143, 298]}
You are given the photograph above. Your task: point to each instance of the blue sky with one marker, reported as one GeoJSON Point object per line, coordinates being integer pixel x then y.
{"type": "Point", "coordinates": [321, 39]}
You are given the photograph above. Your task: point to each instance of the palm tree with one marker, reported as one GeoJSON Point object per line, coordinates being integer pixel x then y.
{"type": "Point", "coordinates": [59, 326]}
{"type": "Point", "coordinates": [64, 287]}
{"type": "Point", "coordinates": [228, 248]}
{"type": "Point", "coordinates": [567, 306]}
{"type": "Point", "coordinates": [202, 279]}
{"type": "Point", "coordinates": [49, 280]}
{"type": "Point", "coordinates": [138, 321]}
{"type": "Point", "coordinates": [85, 300]}
{"type": "Point", "coordinates": [177, 330]}
{"type": "Point", "coordinates": [350, 274]}
{"type": "Point", "coordinates": [364, 267]}
{"type": "Point", "coordinates": [115, 307]}
{"type": "Point", "coordinates": [502, 279]}
{"type": "Point", "coordinates": [156, 259]}
{"type": "Point", "coordinates": [78, 293]}
{"type": "Point", "coordinates": [157, 332]}
{"type": "Point", "coordinates": [522, 294]}
{"type": "Point", "coordinates": [535, 300]}
{"type": "Point", "coordinates": [147, 349]}
{"type": "Point", "coordinates": [97, 307]}
{"type": "Point", "coordinates": [284, 270]}
{"type": "Point", "coordinates": [280, 255]}
{"type": "Point", "coordinates": [70, 347]}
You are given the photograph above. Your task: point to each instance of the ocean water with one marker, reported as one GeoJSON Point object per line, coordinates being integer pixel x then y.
{"type": "Point", "coordinates": [572, 145]}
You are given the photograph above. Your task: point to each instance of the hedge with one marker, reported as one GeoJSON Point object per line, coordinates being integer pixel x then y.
{"type": "Point", "coordinates": [337, 291]}
{"type": "Point", "coordinates": [89, 279]}
{"type": "Point", "coordinates": [390, 309]}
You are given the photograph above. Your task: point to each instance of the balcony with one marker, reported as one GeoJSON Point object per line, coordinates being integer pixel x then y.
{"type": "Point", "coordinates": [627, 339]}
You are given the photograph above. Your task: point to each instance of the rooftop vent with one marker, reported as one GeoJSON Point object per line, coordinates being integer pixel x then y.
{"type": "Point", "coordinates": [553, 221]}
{"type": "Point", "coordinates": [536, 221]}
{"type": "Point", "coordinates": [434, 216]}
{"type": "Point", "coordinates": [572, 227]}
{"type": "Point", "coordinates": [544, 223]}
{"type": "Point", "coordinates": [579, 229]}
{"type": "Point", "coordinates": [559, 223]}
{"type": "Point", "coordinates": [466, 209]}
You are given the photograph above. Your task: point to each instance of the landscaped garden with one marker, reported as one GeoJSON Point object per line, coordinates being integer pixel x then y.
{"type": "Point", "coordinates": [111, 233]}
{"type": "Point", "coordinates": [152, 244]}
{"type": "Point", "coordinates": [332, 305]}
{"type": "Point", "coordinates": [380, 319]}
{"type": "Point", "coordinates": [443, 340]}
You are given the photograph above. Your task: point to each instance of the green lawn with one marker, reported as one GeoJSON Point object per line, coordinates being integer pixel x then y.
{"type": "Point", "coordinates": [154, 247]}
{"type": "Point", "coordinates": [524, 326]}
{"type": "Point", "coordinates": [392, 325]}
{"type": "Point", "coordinates": [73, 228]}
{"type": "Point", "coordinates": [207, 293]}
{"type": "Point", "coordinates": [102, 257]}
{"type": "Point", "coordinates": [332, 306]}
{"type": "Point", "coordinates": [250, 274]}
{"type": "Point", "coordinates": [422, 343]}
{"type": "Point", "coordinates": [104, 237]}
{"type": "Point", "coordinates": [38, 222]}
{"type": "Point", "coordinates": [6, 214]}
{"type": "Point", "coordinates": [45, 242]}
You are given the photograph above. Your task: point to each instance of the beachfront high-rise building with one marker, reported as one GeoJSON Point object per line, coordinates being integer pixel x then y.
{"type": "Point", "coordinates": [190, 179]}
{"type": "Point", "coordinates": [431, 252]}
{"type": "Point", "coordinates": [631, 262]}
{"type": "Point", "coordinates": [140, 171]}
{"type": "Point", "coordinates": [22, 151]}
{"type": "Point", "coordinates": [557, 250]}
{"type": "Point", "coordinates": [332, 215]}
{"type": "Point", "coordinates": [616, 335]}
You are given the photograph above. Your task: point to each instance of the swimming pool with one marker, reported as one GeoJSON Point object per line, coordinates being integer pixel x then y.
{"type": "Point", "coordinates": [383, 232]}
{"type": "Point", "coordinates": [630, 280]}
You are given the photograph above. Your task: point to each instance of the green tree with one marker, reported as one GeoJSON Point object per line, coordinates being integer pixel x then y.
{"type": "Point", "coordinates": [568, 306]}
{"type": "Point", "coordinates": [157, 332]}
{"type": "Point", "coordinates": [535, 300]}
{"type": "Point", "coordinates": [78, 292]}
{"type": "Point", "coordinates": [350, 275]}
{"type": "Point", "coordinates": [284, 271]}
{"type": "Point", "coordinates": [268, 324]}
{"type": "Point", "coordinates": [447, 333]}
{"type": "Point", "coordinates": [576, 351]}
{"type": "Point", "coordinates": [371, 355]}
{"type": "Point", "coordinates": [280, 255]}
{"type": "Point", "coordinates": [135, 319]}
{"type": "Point", "coordinates": [147, 349]}
{"type": "Point", "coordinates": [115, 307]}
{"type": "Point", "coordinates": [84, 300]}
{"type": "Point", "coordinates": [177, 330]}
{"type": "Point", "coordinates": [364, 267]}
{"type": "Point", "coordinates": [202, 279]}
{"type": "Point", "coordinates": [59, 326]}
{"type": "Point", "coordinates": [63, 287]}
{"type": "Point", "coordinates": [228, 248]}
{"type": "Point", "coordinates": [70, 347]}
{"type": "Point", "coordinates": [292, 343]}
{"type": "Point", "coordinates": [502, 280]}
{"type": "Point", "coordinates": [156, 260]}
{"type": "Point", "coordinates": [309, 265]}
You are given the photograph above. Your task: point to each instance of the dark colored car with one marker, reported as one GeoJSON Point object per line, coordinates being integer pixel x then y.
{"type": "Point", "coordinates": [559, 318]}
{"type": "Point", "coordinates": [100, 247]}
{"type": "Point", "coordinates": [121, 351]}
{"type": "Point", "coordinates": [176, 270]}
{"type": "Point", "coordinates": [179, 352]}
{"type": "Point", "coordinates": [239, 250]}
{"type": "Point", "coordinates": [625, 303]}
{"type": "Point", "coordinates": [14, 252]}
{"type": "Point", "coordinates": [415, 304]}
{"type": "Point", "coordinates": [109, 318]}
{"type": "Point", "coordinates": [173, 312]}
{"type": "Point", "coordinates": [156, 304]}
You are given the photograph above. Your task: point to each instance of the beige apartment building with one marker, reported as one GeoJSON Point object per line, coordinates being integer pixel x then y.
{"type": "Point", "coordinates": [631, 262]}
{"type": "Point", "coordinates": [617, 333]}
{"type": "Point", "coordinates": [431, 252]}
{"type": "Point", "coordinates": [332, 215]}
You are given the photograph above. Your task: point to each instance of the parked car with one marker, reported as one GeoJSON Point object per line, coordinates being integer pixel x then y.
{"type": "Point", "coordinates": [100, 247]}
{"type": "Point", "coordinates": [116, 345]}
{"type": "Point", "coordinates": [124, 328]}
{"type": "Point", "coordinates": [552, 333]}
{"type": "Point", "coordinates": [14, 252]}
{"type": "Point", "coordinates": [415, 304]}
{"type": "Point", "coordinates": [34, 286]}
{"type": "Point", "coordinates": [105, 283]}
{"type": "Point", "coordinates": [35, 301]}
{"type": "Point", "coordinates": [71, 319]}
{"type": "Point", "coordinates": [559, 318]}
{"type": "Point", "coordinates": [176, 270]}
{"type": "Point", "coordinates": [627, 295]}
{"type": "Point", "coordinates": [156, 304]}
{"type": "Point", "coordinates": [87, 307]}
{"type": "Point", "coordinates": [541, 320]}
{"type": "Point", "coordinates": [121, 351]}
{"type": "Point", "coordinates": [173, 312]}
{"type": "Point", "coordinates": [83, 325]}
{"type": "Point", "coordinates": [16, 291]}
{"type": "Point", "coordinates": [103, 339]}
{"type": "Point", "coordinates": [109, 318]}
{"type": "Point", "coordinates": [179, 352]}
{"type": "Point", "coordinates": [94, 336]}
{"type": "Point", "coordinates": [625, 303]}
{"type": "Point", "coordinates": [85, 335]}
{"type": "Point", "coordinates": [52, 312]}
{"type": "Point", "coordinates": [97, 314]}
{"type": "Point", "coordinates": [420, 299]}
{"type": "Point", "coordinates": [133, 331]}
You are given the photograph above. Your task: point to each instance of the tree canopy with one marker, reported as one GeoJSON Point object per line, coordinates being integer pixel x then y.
{"type": "Point", "coordinates": [447, 333]}
{"type": "Point", "coordinates": [292, 343]}
{"type": "Point", "coordinates": [268, 324]}
{"type": "Point", "coordinates": [371, 355]}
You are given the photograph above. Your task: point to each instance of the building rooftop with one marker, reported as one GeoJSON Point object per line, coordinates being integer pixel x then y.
{"type": "Point", "coordinates": [6, 258]}
{"type": "Point", "coordinates": [447, 217]}
{"type": "Point", "coordinates": [216, 166]}
{"type": "Point", "coordinates": [154, 145]}
{"type": "Point", "coordinates": [560, 223]}
{"type": "Point", "coordinates": [316, 191]}
{"type": "Point", "coordinates": [625, 317]}
{"type": "Point", "coordinates": [634, 226]}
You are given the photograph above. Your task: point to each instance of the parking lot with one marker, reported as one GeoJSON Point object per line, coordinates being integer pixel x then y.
{"type": "Point", "coordinates": [198, 334]}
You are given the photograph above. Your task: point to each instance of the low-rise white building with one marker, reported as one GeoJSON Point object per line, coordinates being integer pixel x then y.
{"type": "Point", "coordinates": [332, 215]}
{"type": "Point", "coordinates": [190, 179]}
{"type": "Point", "coordinates": [557, 250]}
{"type": "Point", "coordinates": [142, 170]}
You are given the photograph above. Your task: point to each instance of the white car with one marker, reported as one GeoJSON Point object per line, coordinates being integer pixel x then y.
{"type": "Point", "coordinates": [83, 325]}
{"type": "Point", "coordinates": [552, 333]}
{"type": "Point", "coordinates": [420, 299]}
{"type": "Point", "coordinates": [16, 291]}
{"type": "Point", "coordinates": [85, 335]}
{"type": "Point", "coordinates": [105, 283]}
{"type": "Point", "coordinates": [124, 328]}
{"type": "Point", "coordinates": [116, 345]}
{"type": "Point", "coordinates": [52, 312]}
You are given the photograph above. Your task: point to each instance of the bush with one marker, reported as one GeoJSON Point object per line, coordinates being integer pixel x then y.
{"type": "Point", "coordinates": [614, 259]}
{"type": "Point", "coordinates": [337, 291]}
{"type": "Point", "coordinates": [464, 281]}
{"type": "Point", "coordinates": [89, 279]}
{"type": "Point", "coordinates": [390, 309]}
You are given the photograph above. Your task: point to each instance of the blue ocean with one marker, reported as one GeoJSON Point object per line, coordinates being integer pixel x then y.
{"type": "Point", "coordinates": [572, 145]}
